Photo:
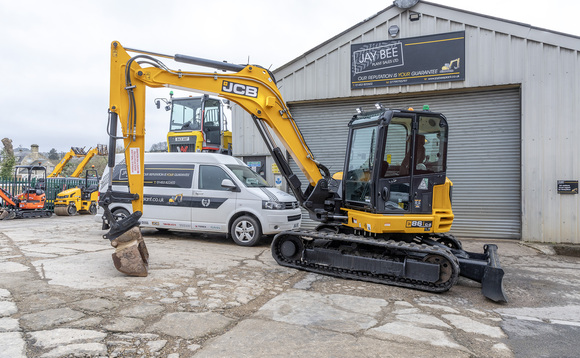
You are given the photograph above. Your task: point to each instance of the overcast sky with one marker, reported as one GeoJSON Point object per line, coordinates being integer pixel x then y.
{"type": "Point", "coordinates": [54, 59]}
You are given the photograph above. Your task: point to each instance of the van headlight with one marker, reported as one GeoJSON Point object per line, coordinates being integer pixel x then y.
{"type": "Point", "coordinates": [272, 205]}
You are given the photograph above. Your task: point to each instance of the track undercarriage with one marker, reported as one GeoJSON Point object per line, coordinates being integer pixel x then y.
{"type": "Point", "coordinates": [8, 214]}
{"type": "Point", "coordinates": [424, 263]}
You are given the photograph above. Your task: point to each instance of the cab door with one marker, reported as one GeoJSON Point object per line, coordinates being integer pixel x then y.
{"type": "Point", "coordinates": [413, 162]}
{"type": "Point", "coordinates": [213, 204]}
{"type": "Point", "coordinates": [394, 175]}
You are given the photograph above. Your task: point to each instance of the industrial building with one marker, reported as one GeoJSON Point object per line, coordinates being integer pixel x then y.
{"type": "Point", "coordinates": [509, 90]}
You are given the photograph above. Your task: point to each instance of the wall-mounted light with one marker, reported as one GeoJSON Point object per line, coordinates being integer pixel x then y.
{"type": "Point", "coordinates": [394, 30]}
{"type": "Point", "coordinates": [414, 16]}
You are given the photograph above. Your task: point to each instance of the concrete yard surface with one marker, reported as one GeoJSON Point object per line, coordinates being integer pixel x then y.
{"type": "Point", "coordinates": [60, 296]}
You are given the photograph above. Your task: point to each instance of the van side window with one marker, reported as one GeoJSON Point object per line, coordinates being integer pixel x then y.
{"type": "Point", "coordinates": [158, 175]}
{"type": "Point", "coordinates": [210, 177]}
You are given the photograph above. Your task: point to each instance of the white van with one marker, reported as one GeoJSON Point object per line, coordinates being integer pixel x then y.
{"type": "Point", "coordinates": [205, 192]}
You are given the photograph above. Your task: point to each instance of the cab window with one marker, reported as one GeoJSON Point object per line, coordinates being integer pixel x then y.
{"type": "Point", "coordinates": [186, 115]}
{"type": "Point", "coordinates": [430, 145]}
{"type": "Point", "coordinates": [360, 165]}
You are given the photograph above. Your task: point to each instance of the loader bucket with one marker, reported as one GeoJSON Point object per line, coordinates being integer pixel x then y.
{"type": "Point", "coordinates": [131, 256]}
{"type": "Point", "coordinates": [484, 268]}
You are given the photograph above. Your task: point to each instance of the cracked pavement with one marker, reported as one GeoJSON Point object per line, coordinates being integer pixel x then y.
{"type": "Point", "coordinates": [60, 296]}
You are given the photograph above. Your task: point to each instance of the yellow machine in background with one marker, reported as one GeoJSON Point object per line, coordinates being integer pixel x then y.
{"type": "Point", "coordinates": [198, 124]}
{"type": "Point", "coordinates": [73, 152]}
{"type": "Point", "coordinates": [82, 199]}
{"type": "Point", "coordinates": [100, 149]}
{"type": "Point", "coordinates": [386, 221]}
{"type": "Point", "coordinates": [80, 153]}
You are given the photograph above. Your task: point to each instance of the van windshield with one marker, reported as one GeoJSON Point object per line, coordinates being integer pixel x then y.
{"type": "Point", "coordinates": [247, 176]}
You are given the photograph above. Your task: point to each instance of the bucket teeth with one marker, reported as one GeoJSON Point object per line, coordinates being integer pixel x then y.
{"type": "Point", "coordinates": [131, 256]}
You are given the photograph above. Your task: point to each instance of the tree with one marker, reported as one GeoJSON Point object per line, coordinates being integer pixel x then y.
{"type": "Point", "coordinates": [8, 161]}
{"type": "Point", "coordinates": [159, 147]}
{"type": "Point", "coordinates": [53, 154]}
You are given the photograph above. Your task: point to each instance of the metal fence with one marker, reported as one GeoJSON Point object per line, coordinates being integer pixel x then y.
{"type": "Point", "coordinates": [52, 188]}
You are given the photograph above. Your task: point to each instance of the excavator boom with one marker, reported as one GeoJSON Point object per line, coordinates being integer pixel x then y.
{"type": "Point", "coordinates": [251, 87]}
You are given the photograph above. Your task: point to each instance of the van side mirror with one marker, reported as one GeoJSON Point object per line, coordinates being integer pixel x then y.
{"type": "Point", "coordinates": [229, 184]}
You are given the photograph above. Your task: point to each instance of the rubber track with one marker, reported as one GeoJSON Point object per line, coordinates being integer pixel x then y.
{"type": "Point", "coordinates": [29, 214]}
{"type": "Point", "coordinates": [367, 276]}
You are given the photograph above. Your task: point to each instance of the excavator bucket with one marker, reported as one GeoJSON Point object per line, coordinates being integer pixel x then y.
{"type": "Point", "coordinates": [131, 256]}
{"type": "Point", "coordinates": [4, 214]}
{"type": "Point", "coordinates": [484, 268]}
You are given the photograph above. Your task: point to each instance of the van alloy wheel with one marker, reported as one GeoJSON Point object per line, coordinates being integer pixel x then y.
{"type": "Point", "coordinates": [246, 231]}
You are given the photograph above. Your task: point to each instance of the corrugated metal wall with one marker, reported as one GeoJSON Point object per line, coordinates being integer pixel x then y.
{"type": "Point", "coordinates": [484, 152]}
{"type": "Point", "coordinates": [498, 52]}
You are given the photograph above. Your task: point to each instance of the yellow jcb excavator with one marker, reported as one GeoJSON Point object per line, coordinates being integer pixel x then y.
{"type": "Point", "coordinates": [385, 221]}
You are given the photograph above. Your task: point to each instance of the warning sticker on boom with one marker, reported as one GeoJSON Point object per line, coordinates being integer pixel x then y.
{"type": "Point", "coordinates": [135, 161]}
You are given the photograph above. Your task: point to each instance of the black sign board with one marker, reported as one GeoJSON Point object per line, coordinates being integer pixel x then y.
{"type": "Point", "coordinates": [414, 60]}
{"type": "Point", "coordinates": [567, 186]}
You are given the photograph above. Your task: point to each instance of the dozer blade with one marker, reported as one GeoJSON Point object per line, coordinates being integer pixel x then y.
{"type": "Point", "coordinates": [484, 268]}
{"type": "Point", "coordinates": [131, 256]}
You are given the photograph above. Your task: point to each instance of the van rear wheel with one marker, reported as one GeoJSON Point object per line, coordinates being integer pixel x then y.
{"type": "Point", "coordinates": [246, 231]}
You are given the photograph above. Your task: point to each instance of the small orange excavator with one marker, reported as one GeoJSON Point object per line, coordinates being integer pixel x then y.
{"type": "Point", "coordinates": [31, 202]}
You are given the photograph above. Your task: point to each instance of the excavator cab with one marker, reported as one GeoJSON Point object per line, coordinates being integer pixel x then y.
{"type": "Point", "coordinates": [197, 124]}
{"type": "Point", "coordinates": [394, 161]}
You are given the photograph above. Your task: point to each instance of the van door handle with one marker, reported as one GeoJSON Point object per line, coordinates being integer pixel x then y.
{"type": "Point", "coordinates": [198, 193]}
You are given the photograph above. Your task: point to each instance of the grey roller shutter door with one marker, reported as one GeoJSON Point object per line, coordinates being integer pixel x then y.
{"type": "Point", "coordinates": [484, 152]}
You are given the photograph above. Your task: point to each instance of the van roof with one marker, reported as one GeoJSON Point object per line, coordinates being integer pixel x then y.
{"type": "Point", "coordinates": [203, 158]}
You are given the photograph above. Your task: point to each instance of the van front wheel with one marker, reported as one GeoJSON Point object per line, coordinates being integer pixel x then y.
{"type": "Point", "coordinates": [246, 231]}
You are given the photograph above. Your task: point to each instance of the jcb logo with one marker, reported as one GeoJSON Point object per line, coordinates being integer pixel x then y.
{"type": "Point", "coordinates": [241, 89]}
